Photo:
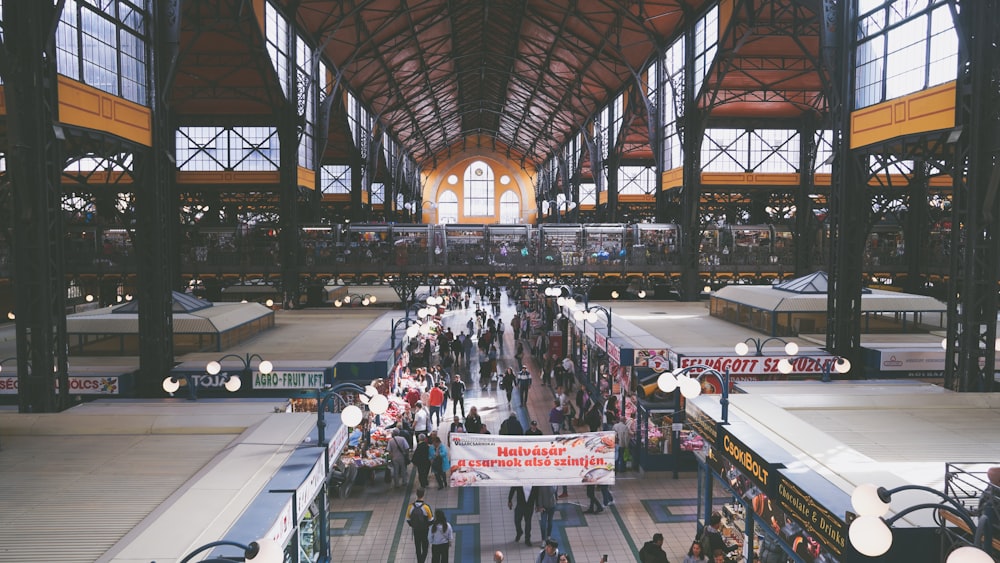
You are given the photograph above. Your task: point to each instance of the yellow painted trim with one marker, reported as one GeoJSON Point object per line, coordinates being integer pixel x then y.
{"type": "Point", "coordinates": [824, 179]}
{"type": "Point", "coordinates": [928, 110]}
{"type": "Point", "coordinates": [227, 177]}
{"type": "Point", "coordinates": [602, 198]}
{"type": "Point", "coordinates": [86, 106]}
{"type": "Point", "coordinates": [365, 200]}
{"type": "Point", "coordinates": [99, 177]}
{"type": "Point", "coordinates": [673, 178]}
{"type": "Point", "coordinates": [749, 178]}
{"type": "Point", "coordinates": [3, 101]}
{"type": "Point", "coordinates": [345, 198]}
{"type": "Point", "coordinates": [636, 198]}
{"type": "Point", "coordinates": [307, 178]}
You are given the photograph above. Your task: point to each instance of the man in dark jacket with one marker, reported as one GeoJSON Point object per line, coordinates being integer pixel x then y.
{"type": "Point", "coordinates": [652, 551]}
{"type": "Point", "coordinates": [511, 426]}
{"type": "Point", "coordinates": [422, 460]}
{"type": "Point", "coordinates": [457, 395]}
{"type": "Point", "coordinates": [523, 505]}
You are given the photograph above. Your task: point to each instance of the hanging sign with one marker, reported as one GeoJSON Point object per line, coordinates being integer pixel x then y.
{"type": "Point", "coordinates": [488, 460]}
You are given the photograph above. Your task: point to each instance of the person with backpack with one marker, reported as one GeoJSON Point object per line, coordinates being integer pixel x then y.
{"type": "Point", "coordinates": [549, 553]}
{"type": "Point", "coordinates": [418, 516]}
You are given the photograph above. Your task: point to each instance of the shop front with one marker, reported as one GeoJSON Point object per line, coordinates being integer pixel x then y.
{"type": "Point", "coordinates": [614, 366]}
{"type": "Point", "coordinates": [287, 378]}
{"type": "Point", "coordinates": [292, 510]}
{"type": "Point", "coordinates": [768, 496]}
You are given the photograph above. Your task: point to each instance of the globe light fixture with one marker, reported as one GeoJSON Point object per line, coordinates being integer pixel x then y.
{"type": "Point", "coordinates": [871, 533]}
{"type": "Point", "coordinates": [378, 404]}
{"type": "Point", "coordinates": [351, 416]}
{"type": "Point", "coordinates": [743, 348]}
{"type": "Point", "coordinates": [171, 385]}
{"type": "Point", "coordinates": [690, 387]}
{"type": "Point", "coordinates": [233, 384]}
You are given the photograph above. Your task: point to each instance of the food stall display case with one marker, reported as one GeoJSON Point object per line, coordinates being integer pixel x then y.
{"type": "Point", "coordinates": [662, 441]}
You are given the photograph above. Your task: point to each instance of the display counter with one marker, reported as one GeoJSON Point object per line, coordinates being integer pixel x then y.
{"type": "Point", "coordinates": [657, 427]}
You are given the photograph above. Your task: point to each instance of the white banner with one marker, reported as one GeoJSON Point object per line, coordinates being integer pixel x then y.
{"type": "Point", "coordinates": [493, 460]}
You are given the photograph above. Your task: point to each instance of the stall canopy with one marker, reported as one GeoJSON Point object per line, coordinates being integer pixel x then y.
{"type": "Point", "coordinates": [799, 306]}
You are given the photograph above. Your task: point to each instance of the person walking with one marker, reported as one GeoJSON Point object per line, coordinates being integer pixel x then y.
{"type": "Point", "coordinates": [458, 395]}
{"type": "Point", "coordinates": [524, 384]}
{"type": "Point", "coordinates": [473, 422]}
{"type": "Point", "coordinates": [511, 426]}
{"type": "Point", "coordinates": [545, 505]}
{"type": "Point", "coordinates": [507, 382]}
{"type": "Point", "coordinates": [623, 439]}
{"type": "Point", "coordinates": [435, 398]}
{"type": "Point", "coordinates": [556, 417]}
{"type": "Point", "coordinates": [418, 516]}
{"type": "Point", "coordinates": [523, 504]}
{"type": "Point", "coordinates": [533, 430]}
{"type": "Point", "coordinates": [593, 417]}
{"type": "Point", "coordinates": [444, 400]}
{"type": "Point", "coordinates": [421, 419]}
{"type": "Point", "coordinates": [440, 535]}
{"type": "Point", "coordinates": [652, 551]}
{"type": "Point", "coordinates": [422, 460]}
{"type": "Point", "coordinates": [439, 462]}
{"type": "Point", "coordinates": [606, 495]}
{"type": "Point", "coordinates": [595, 505]}
{"type": "Point", "coordinates": [550, 553]}
{"type": "Point", "coordinates": [399, 456]}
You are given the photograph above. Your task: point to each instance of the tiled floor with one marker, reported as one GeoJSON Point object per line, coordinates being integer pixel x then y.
{"type": "Point", "coordinates": [369, 524]}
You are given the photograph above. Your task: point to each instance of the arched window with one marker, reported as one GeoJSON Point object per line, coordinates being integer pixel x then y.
{"type": "Point", "coordinates": [510, 207]}
{"type": "Point", "coordinates": [447, 207]}
{"type": "Point", "coordinates": [479, 190]}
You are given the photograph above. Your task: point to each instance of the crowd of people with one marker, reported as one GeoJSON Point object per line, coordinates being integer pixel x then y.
{"type": "Point", "coordinates": [440, 368]}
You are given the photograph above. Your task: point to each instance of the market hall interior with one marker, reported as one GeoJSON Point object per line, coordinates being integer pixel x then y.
{"type": "Point", "coordinates": [111, 469]}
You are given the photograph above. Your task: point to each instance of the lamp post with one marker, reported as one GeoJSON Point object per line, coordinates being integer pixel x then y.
{"type": "Point", "coordinates": [412, 329]}
{"type": "Point", "coordinates": [351, 415]}
{"type": "Point", "coordinates": [365, 300]}
{"type": "Point", "coordinates": [839, 364]}
{"type": "Point", "coordinates": [233, 382]}
{"type": "Point", "coordinates": [589, 313]}
{"type": "Point", "coordinates": [743, 348]}
{"type": "Point", "coordinates": [871, 534]}
{"type": "Point", "coordinates": [691, 388]}
{"type": "Point", "coordinates": [260, 551]}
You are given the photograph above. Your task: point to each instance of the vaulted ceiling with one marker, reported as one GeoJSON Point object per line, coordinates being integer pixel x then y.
{"type": "Point", "coordinates": [525, 73]}
{"type": "Point", "coordinates": [522, 76]}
